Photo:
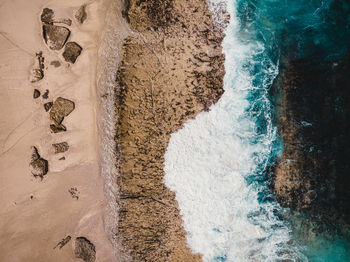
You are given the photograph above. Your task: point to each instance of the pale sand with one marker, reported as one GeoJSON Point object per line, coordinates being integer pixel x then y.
{"type": "Point", "coordinates": [30, 228]}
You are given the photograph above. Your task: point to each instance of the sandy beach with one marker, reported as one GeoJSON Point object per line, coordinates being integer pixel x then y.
{"type": "Point", "coordinates": [36, 214]}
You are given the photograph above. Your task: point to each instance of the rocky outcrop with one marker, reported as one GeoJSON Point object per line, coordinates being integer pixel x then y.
{"type": "Point", "coordinates": [84, 249]}
{"type": "Point", "coordinates": [172, 69]}
{"type": "Point", "coordinates": [60, 147]}
{"type": "Point", "coordinates": [37, 72]}
{"type": "Point", "coordinates": [39, 166]}
{"type": "Point", "coordinates": [55, 36]}
{"type": "Point", "coordinates": [80, 14]}
{"type": "Point", "coordinates": [60, 109]}
{"type": "Point", "coordinates": [71, 52]}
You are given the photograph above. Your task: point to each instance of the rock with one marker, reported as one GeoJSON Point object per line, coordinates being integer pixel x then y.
{"type": "Point", "coordinates": [61, 108]}
{"type": "Point", "coordinates": [46, 94]}
{"type": "Point", "coordinates": [55, 36]}
{"type": "Point", "coordinates": [62, 158]}
{"type": "Point", "coordinates": [60, 147]}
{"type": "Point", "coordinates": [47, 16]}
{"type": "Point", "coordinates": [66, 21]}
{"type": "Point", "coordinates": [37, 72]}
{"type": "Point", "coordinates": [73, 191]}
{"type": "Point", "coordinates": [36, 93]}
{"type": "Point", "coordinates": [55, 63]}
{"type": "Point", "coordinates": [39, 166]}
{"type": "Point", "coordinates": [63, 242]}
{"type": "Point", "coordinates": [80, 14]}
{"type": "Point", "coordinates": [58, 129]}
{"type": "Point", "coordinates": [47, 106]}
{"type": "Point", "coordinates": [84, 249]}
{"type": "Point", "coordinates": [71, 52]}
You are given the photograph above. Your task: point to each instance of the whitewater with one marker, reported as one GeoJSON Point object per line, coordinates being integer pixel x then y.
{"type": "Point", "coordinates": [216, 164]}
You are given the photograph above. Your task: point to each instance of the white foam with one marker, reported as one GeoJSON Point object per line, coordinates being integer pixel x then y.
{"type": "Point", "coordinates": [208, 161]}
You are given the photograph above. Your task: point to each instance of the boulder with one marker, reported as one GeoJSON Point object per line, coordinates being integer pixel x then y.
{"type": "Point", "coordinates": [60, 109]}
{"type": "Point", "coordinates": [37, 72]}
{"type": "Point", "coordinates": [71, 52]}
{"type": "Point", "coordinates": [58, 129]}
{"type": "Point", "coordinates": [47, 106]}
{"type": "Point", "coordinates": [55, 36]}
{"type": "Point", "coordinates": [47, 16]}
{"type": "Point", "coordinates": [36, 93]}
{"type": "Point", "coordinates": [39, 166]}
{"type": "Point", "coordinates": [84, 249]}
{"type": "Point", "coordinates": [60, 147]}
{"type": "Point", "coordinates": [80, 14]}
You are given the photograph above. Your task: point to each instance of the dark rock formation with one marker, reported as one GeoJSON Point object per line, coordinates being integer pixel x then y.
{"type": "Point", "coordinates": [63, 242]}
{"type": "Point", "coordinates": [60, 109]}
{"type": "Point", "coordinates": [74, 193]}
{"type": "Point", "coordinates": [58, 128]}
{"type": "Point", "coordinates": [37, 72]}
{"type": "Point", "coordinates": [46, 94]}
{"type": "Point", "coordinates": [80, 14]}
{"type": "Point", "coordinates": [55, 36]}
{"type": "Point", "coordinates": [71, 52]}
{"type": "Point", "coordinates": [60, 147]}
{"type": "Point", "coordinates": [36, 94]}
{"type": "Point", "coordinates": [47, 106]}
{"type": "Point", "coordinates": [47, 16]}
{"type": "Point", "coordinates": [39, 166]}
{"type": "Point", "coordinates": [84, 249]}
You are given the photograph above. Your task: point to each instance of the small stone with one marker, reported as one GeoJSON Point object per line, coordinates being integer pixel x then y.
{"type": "Point", "coordinates": [39, 166]}
{"type": "Point", "coordinates": [71, 52]}
{"type": "Point", "coordinates": [61, 147]}
{"type": "Point", "coordinates": [63, 242]}
{"type": "Point", "coordinates": [55, 36]}
{"type": "Point", "coordinates": [37, 72]}
{"type": "Point", "coordinates": [47, 16]}
{"type": "Point", "coordinates": [61, 108]}
{"type": "Point", "coordinates": [55, 63]}
{"type": "Point", "coordinates": [73, 191]}
{"type": "Point", "coordinates": [84, 249]}
{"type": "Point", "coordinates": [36, 93]}
{"type": "Point", "coordinates": [47, 106]}
{"type": "Point", "coordinates": [62, 158]}
{"type": "Point", "coordinates": [46, 94]}
{"type": "Point", "coordinates": [58, 129]}
{"type": "Point", "coordinates": [80, 14]}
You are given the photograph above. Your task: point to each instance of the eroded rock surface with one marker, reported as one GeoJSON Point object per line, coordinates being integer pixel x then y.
{"type": "Point", "coordinates": [172, 69]}
{"type": "Point", "coordinates": [58, 128]}
{"type": "Point", "coordinates": [60, 147]}
{"type": "Point", "coordinates": [61, 108]}
{"type": "Point", "coordinates": [84, 249]}
{"type": "Point", "coordinates": [47, 16]}
{"type": "Point", "coordinates": [81, 14]}
{"type": "Point", "coordinates": [37, 72]}
{"type": "Point", "coordinates": [47, 106]}
{"type": "Point", "coordinates": [39, 166]}
{"type": "Point", "coordinates": [55, 36]}
{"type": "Point", "coordinates": [71, 52]}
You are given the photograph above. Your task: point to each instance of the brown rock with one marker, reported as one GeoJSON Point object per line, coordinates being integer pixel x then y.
{"type": "Point", "coordinates": [63, 242]}
{"type": "Point", "coordinates": [80, 14]}
{"type": "Point", "coordinates": [37, 72]}
{"type": "Point", "coordinates": [58, 129]}
{"type": "Point", "coordinates": [46, 94]}
{"type": "Point", "coordinates": [84, 249]}
{"type": "Point", "coordinates": [47, 16]}
{"type": "Point", "coordinates": [36, 93]}
{"type": "Point", "coordinates": [47, 106]}
{"type": "Point", "coordinates": [60, 147]}
{"type": "Point", "coordinates": [39, 166]}
{"type": "Point", "coordinates": [61, 108]}
{"type": "Point", "coordinates": [55, 36]}
{"type": "Point", "coordinates": [55, 63]}
{"type": "Point", "coordinates": [71, 52]}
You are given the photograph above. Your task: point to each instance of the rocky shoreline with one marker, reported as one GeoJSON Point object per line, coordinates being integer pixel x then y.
{"type": "Point", "coordinates": [172, 68]}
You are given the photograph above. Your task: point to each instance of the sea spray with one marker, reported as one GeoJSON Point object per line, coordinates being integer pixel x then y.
{"type": "Point", "coordinates": [216, 163]}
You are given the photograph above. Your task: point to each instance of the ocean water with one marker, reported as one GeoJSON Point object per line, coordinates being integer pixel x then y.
{"type": "Point", "coordinates": [218, 163]}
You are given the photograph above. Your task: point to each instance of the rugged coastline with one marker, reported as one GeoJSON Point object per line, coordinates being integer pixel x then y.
{"type": "Point", "coordinates": [172, 69]}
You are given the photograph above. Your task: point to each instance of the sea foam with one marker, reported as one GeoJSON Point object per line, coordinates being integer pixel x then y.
{"type": "Point", "coordinates": [216, 163]}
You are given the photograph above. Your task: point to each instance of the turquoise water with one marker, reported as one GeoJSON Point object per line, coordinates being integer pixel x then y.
{"type": "Point", "coordinates": [218, 164]}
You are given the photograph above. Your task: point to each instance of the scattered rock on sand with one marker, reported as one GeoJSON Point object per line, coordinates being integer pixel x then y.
{"type": "Point", "coordinates": [55, 36]}
{"type": "Point", "coordinates": [84, 249]}
{"type": "Point", "coordinates": [61, 147]}
{"type": "Point", "coordinates": [47, 16]}
{"type": "Point", "coordinates": [60, 109]}
{"type": "Point", "coordinates": [47, 106]}
{"type": "Point", "coordinates": [73, 191]}
{"type": "Point", "coordinates": [80, 14]}
{"type": "Point", "coordinates": [63, 242]}
{"type": "Point", "coordinates": [46, 94]}
{"type": "Point", "coordinates": [58, 128]}
{"type": "Point", "coordinates": [36, 93]}
{"type": "Point", "coordinates": [71, 52]}
{"type": "Point", "coordinates": [55, 63]}
{"type": "Point", "coordinates": [37, 72]}
{"type": "Point", "coordinates": [39, 166]}
{"type": "Point", "coordinates": [62, 158]}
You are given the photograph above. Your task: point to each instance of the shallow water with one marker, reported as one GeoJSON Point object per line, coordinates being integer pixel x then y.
{"type": "Point", "coordinates": [218, 163]}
